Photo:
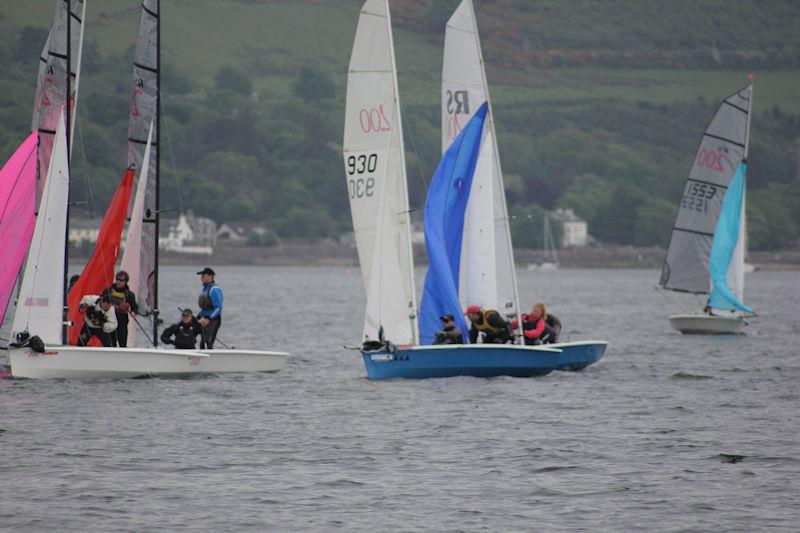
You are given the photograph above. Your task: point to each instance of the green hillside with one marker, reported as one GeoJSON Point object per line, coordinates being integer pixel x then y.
{"type": "Point", "coordinates": [599, 105]}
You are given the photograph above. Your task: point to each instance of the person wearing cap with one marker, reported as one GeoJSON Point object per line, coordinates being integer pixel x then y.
{"type": "Point", "coordinates": [495, 329]}
{"type": "Point", "coordinates": [449, 333]}
{"type": "Point", "coordinates": [210, 302]}
{"type": "Point", "coordinates": [100, 320]}
{"type": "Point", "coordinates": [183, 334]}
{"type": "Point", "coordinates": [124, 302]}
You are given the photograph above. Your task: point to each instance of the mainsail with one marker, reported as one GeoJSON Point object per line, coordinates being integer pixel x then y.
{"type": "Point", "coordinates": [144, 112]}
{"type": "Point", "coordinates": [375, 168]}
{"type": "Point", "coordinates": [722, 149]}
{"type": "Point", "coordinates": [17, 197]}
{"type": "Point", "coordinates": [51, 83]}
{"type": "Point", "coordinates": [487, 276]}
{"type": "Point", "coordinates": [41, 296]}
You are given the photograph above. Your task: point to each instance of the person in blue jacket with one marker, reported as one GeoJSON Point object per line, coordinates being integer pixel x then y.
{"type": "Point", "coordinates": [210, 302]}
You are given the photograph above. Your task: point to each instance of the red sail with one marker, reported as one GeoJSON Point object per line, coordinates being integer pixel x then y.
{"type": "Point", "coordinates": [99, 271]}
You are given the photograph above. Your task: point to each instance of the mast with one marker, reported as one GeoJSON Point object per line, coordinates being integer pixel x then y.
{"type": "Point", "coordinates": [158, 168]}
{"type": "Point", "coordinates": [414, 311]}
{"type": "Point", "coordinates": [68, 122]}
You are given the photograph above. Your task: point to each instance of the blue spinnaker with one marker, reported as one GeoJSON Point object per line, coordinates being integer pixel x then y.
{"type": "Point", "coordinates": [725, 236]}
{"type": "Point", "coordinates": [445, 207]}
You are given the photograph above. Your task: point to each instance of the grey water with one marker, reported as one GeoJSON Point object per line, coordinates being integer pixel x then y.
{"type": "Point", "coordinates": [666, 433]}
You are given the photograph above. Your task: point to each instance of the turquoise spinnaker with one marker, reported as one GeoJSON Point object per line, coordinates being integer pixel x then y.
{"type": "Point", "coordinates": [726, 235]}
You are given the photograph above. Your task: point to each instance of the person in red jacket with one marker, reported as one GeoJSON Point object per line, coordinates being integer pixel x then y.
{"type": "Point", "coordinates": [536, 328]}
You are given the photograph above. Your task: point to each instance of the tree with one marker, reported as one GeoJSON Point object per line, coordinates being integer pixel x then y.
{"type": "Point", "coordinates": [233, 79]}
{"type": "Point", "coordinates": [314, 84]}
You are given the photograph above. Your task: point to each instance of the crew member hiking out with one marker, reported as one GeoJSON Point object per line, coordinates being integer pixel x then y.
{"type": "Point", "coordinates": [210, 302]}
{"type": "Point", "coordinates": [184, 333]}
{"type": "Point", "coordinates": [124, 302]}
{"type": "Point", "coordinates": [489, 322]}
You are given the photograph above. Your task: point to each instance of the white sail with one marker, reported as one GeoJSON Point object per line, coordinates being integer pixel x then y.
{"type": "Point", "coordinates": [144, 107]}
{"type": "Point", "coordinates": [40, 306]}
{"type": "Point", "coordinates": [722, 148]}
{"type": "Point", "coordinates": [487, 274]}
{"type": "Point", "coordinates": [376, 179]}
{"type": "Point", "coordinates": [133, 238]}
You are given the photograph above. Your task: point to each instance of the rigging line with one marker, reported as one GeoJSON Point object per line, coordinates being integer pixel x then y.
{"type": "Point", "coordinates": [163, 124]}
{"type": "Point", "coordinates": [87, 181]}
{"type": "Point", "coordinates": [414, 147]}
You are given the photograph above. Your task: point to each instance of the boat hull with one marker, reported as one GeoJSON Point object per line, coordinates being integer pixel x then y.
{"type": "Point", "coordinates": [707, 324]}
{"type": "Point", "coordinates": [77, 362]}
{"type": "Point", "coordinates": [578, 355]}
{"type": "Point", "coordinates": [478, 360]}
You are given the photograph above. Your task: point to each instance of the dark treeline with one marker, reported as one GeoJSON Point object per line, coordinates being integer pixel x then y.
{"type": "Point", "coordinates": [231, 151]}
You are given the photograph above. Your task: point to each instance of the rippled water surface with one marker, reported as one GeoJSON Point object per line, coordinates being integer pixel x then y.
{"type": "Point", "coordinates": [650, 438]}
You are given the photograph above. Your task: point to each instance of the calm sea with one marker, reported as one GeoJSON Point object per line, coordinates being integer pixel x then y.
{"type": "Point", "coordinates": [666, 433]}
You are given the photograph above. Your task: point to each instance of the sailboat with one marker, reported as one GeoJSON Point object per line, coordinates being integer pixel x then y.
{"type": "Point", "coordinates": [373, 150]}
{"type": "Point", "coordinates": [707, 246]}
{"type": "Point", "coordinates": [549, 246]}
{"type": "Point", "coordinates": [42, 295]}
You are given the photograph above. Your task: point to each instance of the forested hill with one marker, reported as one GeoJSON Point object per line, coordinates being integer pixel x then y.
{"type": "Point", "coordinates": [599, 105]}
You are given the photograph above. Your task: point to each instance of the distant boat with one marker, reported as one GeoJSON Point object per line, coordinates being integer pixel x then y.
{"type": "Point", "coordinates": [394, 343]}
{"type": "Point", "coordinates": [549, 245]}
{"type": "Point", "coordinates": [707, 247]}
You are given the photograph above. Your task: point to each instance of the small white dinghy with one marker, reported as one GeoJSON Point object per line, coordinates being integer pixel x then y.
{"type": "Point", "coordinates": [706, 249]}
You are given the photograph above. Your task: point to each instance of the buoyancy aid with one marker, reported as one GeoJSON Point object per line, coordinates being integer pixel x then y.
{"type": "Point", "coordinates": [117, 296]}
{"type": "Point", "coordinates": [484, 325]}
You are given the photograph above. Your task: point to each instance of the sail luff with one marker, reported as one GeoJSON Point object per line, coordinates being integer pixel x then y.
{"type": "Point", "coordinates": [76, 51]}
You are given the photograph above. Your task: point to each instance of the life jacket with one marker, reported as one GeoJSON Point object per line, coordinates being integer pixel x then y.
{"type": "Point", "coordinates": [529, 323]}
{"type": "Point", "coordinates": [204, 300]}
{"type": "Point", "coordinates": [484, 324]}
{"type": "Point", "coordinates": [117, 296]}
{"type": "Point", "coordinates": [185, 335]}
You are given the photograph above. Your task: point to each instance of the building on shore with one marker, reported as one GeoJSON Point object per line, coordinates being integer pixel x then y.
{"type": "Point", "coordinates": [576, 230]}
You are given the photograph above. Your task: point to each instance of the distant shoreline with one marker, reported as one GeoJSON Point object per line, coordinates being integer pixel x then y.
{"type": "Point", "coordinates": [330, 253]}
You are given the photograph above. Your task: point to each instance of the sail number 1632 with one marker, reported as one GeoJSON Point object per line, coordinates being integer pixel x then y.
{"type": "Point", "coordinates": [358, 186]}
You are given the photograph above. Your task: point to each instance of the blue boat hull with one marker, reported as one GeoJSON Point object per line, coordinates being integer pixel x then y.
{"type": "Point", "coordinates": [479, 360]}
{"type": "Point", "coordinates": [578, 355]}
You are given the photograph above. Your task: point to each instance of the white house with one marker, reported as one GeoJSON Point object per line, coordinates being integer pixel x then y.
{"type": "Point", "coordinates": [576, 230]}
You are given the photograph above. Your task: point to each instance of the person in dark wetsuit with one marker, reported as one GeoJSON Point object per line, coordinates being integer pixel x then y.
{"type": "Point", "coordinates": [495, 329]}
{"type": "Point", "coordinates": [183, 334]}
{"type": "Point", "coordinates": [449, 333]}
{"type": "Point", "coordinates": [538, 327]}
{"type": "Point", "coordinates": [210, 301]}
{"type": "Point", "coordinates": [124, 302]}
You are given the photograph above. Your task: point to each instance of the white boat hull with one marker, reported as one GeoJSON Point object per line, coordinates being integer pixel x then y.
{"type": "Point", "coordinates": [77, 362]}
{"type": "Point", "coordinates": [707, 324]}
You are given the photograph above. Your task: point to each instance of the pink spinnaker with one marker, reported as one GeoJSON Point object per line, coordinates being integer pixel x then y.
{"type": "Point", "coordinates": [17, 197]}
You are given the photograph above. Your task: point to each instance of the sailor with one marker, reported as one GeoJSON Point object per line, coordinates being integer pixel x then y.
{"type": "Point", "coordinates": [536, 328]}
{"type": "Point", "coordinates": [449, 333]}
{"type": "Point", "coordinates": [210, 302]}
{"type": "Point", "coordinates": [100, 320]}
{"type": "Point", "coordinates": [184, 333]}
{"type": "Point", "coordinates": [124, 302]}
{"type": "Point", "coordinates": [489, 322]}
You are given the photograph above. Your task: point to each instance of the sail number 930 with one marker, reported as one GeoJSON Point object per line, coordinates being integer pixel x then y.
{"type": "Point", "coordinates": [359, 187]}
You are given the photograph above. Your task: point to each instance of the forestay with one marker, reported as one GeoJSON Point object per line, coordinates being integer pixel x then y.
{"type": "Point", "coordinates": [143, 114]}
{"type": "Point", "coordinates": [41, 296]}
{"type": "Point", "coordinates": [487, 262]}
{"type": "Point", "coordinates": [722, 149]}
{"type": "Point", "coordinates": [376, 179]}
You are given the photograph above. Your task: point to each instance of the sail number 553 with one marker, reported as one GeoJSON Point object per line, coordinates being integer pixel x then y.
{"type": "Point", "coordinates": [359, 187]}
